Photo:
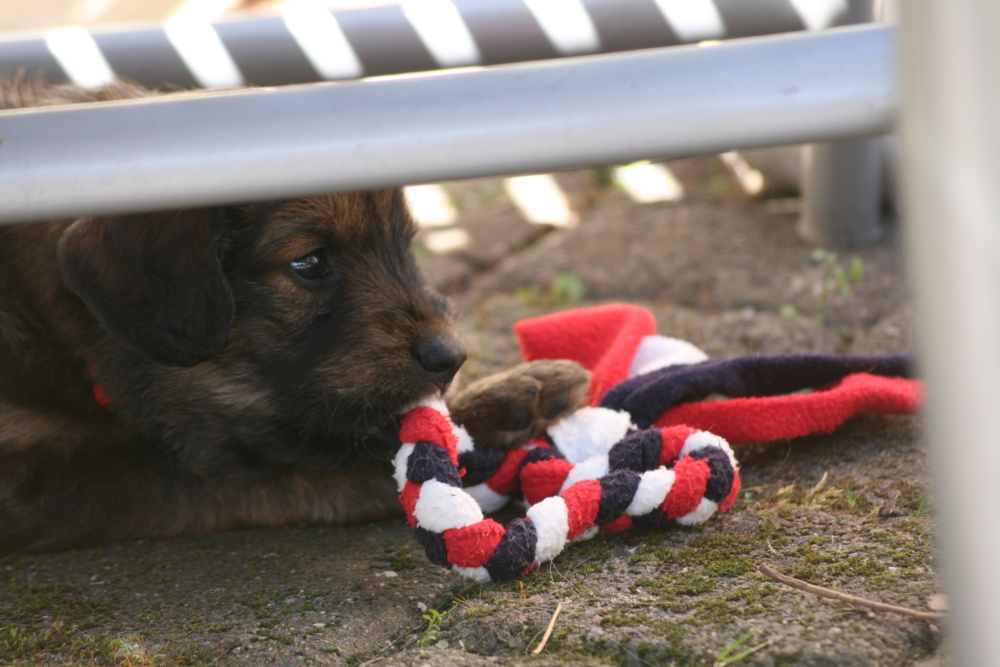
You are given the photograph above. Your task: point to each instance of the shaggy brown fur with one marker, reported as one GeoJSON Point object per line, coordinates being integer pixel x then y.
{"type": "Point", "coordinates": [256, 357]}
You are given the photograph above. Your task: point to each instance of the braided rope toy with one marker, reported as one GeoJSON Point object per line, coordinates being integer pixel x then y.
{"type": "Point", "coordinates": [596, 469]}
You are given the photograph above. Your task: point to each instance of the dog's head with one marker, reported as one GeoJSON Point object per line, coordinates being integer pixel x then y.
{"type": "Point", "coordinates": [316, 303]}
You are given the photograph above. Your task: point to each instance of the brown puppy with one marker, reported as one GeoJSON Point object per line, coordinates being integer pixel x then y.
{"type": "Point", "coordinates": [196, 370]}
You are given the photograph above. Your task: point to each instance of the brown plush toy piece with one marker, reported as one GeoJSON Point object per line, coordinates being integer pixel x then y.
{"type": "Point", "coordinates": [512, 408]}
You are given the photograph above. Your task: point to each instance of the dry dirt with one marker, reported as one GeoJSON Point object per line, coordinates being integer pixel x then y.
{"type": "Point", "coordinates": [726, 273]}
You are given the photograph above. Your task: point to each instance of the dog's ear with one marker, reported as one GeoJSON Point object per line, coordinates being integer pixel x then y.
{"type": "Point", "coordinates": [154, 281]}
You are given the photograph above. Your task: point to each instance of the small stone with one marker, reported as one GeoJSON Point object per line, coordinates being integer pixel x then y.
{"type": "Point", "coordinates": [938, 602]}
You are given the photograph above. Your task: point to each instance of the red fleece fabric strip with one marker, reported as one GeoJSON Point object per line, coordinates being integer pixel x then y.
{"type": "Point", "coordinates": [691, 478]}
{"type": "Point", "coordinates": [408, 499]}
{"type": "Point", "coordinates": [746, 420]}
{"type": "Point", "coordinates": [425, 423]}
{"type": "Point", "coordinates": [605, 339]}
{"type": "Point", "coordinates": [602, 339]}
{"type": "Point", "coordinates": [472, 545]}
{"type": "Point", "coordinates": [544, 479]}
{"type": "Point", "coordinates": [583, 501]}
{"type": "Point", "coordinates": [505, 480]}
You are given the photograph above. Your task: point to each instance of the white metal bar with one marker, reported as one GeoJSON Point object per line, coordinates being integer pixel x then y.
{"type": "Point", "coordinates": [256, 144]}
{"type": "Point", "coordinates": [951, 177]}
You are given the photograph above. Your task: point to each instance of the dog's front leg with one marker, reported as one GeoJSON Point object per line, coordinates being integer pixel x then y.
{"type": "Point", "coordinates": [115, 488]}
{"type": "Point", "coordinates": [510, 408]}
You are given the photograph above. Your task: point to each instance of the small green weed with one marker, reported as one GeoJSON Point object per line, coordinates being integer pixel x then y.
{"type": "Point", "coordinates": [429, 637]}
{"type": "Point", "coordinates": [835, 277]}
{"type": "Point", "coordinates": [850, 496]}
{"type": "Point", "coordinates": [564, 290]}
{"type": "Point", "coordinates": [728, 654]}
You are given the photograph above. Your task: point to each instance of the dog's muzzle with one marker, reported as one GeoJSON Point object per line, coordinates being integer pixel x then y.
{"type": "Point", "coordinates": [440, 358]}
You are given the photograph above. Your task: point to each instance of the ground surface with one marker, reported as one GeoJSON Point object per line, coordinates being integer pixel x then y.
{"type": "Point", "coordinates": [852, 510]}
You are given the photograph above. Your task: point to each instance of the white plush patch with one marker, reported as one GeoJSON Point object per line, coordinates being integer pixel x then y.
{"type": "Point", "coordinates": [590, 432]}
{"type": "Point", "coordinates": [480, 574]}
{"type": "Point", "coordinates": [704, 439]}
{"type": "Point", "coordinates": [656, 352]}
{"type": "Point", "coordinates": [438, 404]}
{"type": "Point", "coordinates": [465, 443]}
{"type": "Point", "coordinates": [434, 402]}
{"type": "Point", "coordinates": [595, 467]}
{"type": "Point", "coordinates": [441, 507]}
{"type": "Point", "coordinates": [706, 508]}
{"type": "Point", "coordinates": [487, 499]}
{"type": "Point", "coordinates": [552, 526]}
{"type": "Point", "coordinates": [402, 456]}
{"type": "Point", "coordinates": [654, 485]}
{"type": "Point", "coordinates": [587, 534]}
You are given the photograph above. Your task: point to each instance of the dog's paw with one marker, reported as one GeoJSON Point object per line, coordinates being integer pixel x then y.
{"type": "Point", "coordinates": [508, 409]}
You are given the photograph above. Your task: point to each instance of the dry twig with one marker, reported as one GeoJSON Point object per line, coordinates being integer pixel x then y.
{"type": "Point", "coordinates": [845, 597]}
{"type": "Point", "coordinates": [548, 630]}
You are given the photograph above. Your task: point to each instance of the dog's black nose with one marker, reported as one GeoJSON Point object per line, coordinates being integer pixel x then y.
{"type": "Point", "coordinates": [441, 357]}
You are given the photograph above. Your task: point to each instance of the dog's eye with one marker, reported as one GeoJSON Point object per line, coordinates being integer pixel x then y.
{"type": "Point", "coordinates": [314, 267]}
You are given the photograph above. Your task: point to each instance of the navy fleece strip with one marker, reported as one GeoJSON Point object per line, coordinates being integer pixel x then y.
{"type": "Point", "coordinates": [648, 396]}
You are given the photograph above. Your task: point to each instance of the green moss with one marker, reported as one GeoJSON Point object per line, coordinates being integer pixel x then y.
{"type": "Point", "coordinates": [803, 571]}
{"type": "Point", "coordinates": [686, 583]}
{"type": "Point", "coordinates": [479, 609]}
{"type": "Point", "coordinates": [588, 568]}
{"type": "Point", "coordinates": [621, 620]}
{"type": "Point", "coordinates": [46, 618]}
{"type": "Point", "coordinates": [856, 567]}
{"type": "Point", "coordinates": [402, 559]}
{"type": "Point", "coordinates": [672, 631]}
{"type": "Point", "coordinates": [659, 654]}
{"type": "Point", "coordinates": [37, 600]}
{"type": "Point", "coordinates": [730, 567]}
{"type": "Point", "coordinates": [274, 636]}
{"type": "Point", "coordinates": [772, 535]}
{"type": "Point", "coordinates": [190, 654]}
{"type": "Point", "coordinates": [717, 612]}
{"type": "Point", "coordinates": [624, 650]}
{"type": "Point", "coordinates": [265, 603]}
{"type": "Point", "coordinates": [813, 557]}
{"type": "Point", "coordinates": [360, 657]}
{"type": "Point", "coordinates": [660, 554]}
{"type": "Point", "coordinates": [782, 658]}
{"type": "Point", "coordinates": [16, 562]}
{"type": "Point", "coordinates": [722, 543]}
{"type": "Point", "coordinates": [32, 646]}
{"type": "Point", "coordinates": [22, 642]}
{"type": "Point", "coordinates": [751, 593]}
